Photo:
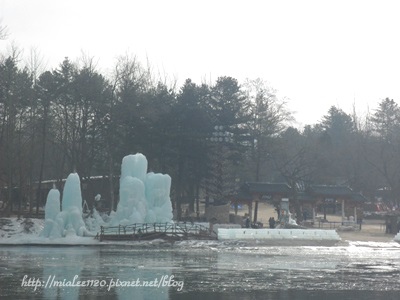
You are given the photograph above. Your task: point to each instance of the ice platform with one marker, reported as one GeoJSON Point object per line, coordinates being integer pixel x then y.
{"type": "Point", "coordinates": [284, 236]}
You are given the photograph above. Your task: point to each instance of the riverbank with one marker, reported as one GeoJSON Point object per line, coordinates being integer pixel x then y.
{"type": "Point", "coordinates": [371, 230]}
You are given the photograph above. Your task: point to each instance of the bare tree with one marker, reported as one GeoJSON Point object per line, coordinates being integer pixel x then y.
{"type": "Point", "coordinates": [269, 117]}
{"type": "Point", "coordinates": [3, 32]}
{"type": "Point", "coordinates": [295, 162]}
{"type": "Point", "coordinates": [35, 63]}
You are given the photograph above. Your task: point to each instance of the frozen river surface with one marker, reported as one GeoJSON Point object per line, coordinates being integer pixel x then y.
{"type": "Point", "coordinates": [200, 270]}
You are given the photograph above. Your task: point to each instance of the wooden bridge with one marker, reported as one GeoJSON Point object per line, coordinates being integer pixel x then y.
{"type": "Point", "coordinates": [151, 231]}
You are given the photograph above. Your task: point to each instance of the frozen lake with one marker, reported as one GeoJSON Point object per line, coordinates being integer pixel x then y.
{"type": "Point", "coordinates": [201, 270]}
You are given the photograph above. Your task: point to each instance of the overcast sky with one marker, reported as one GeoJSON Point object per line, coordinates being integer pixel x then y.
{"type": "Point", "coordinates": [315, 53]}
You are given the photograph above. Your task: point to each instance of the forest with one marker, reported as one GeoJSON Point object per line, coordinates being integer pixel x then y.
{"type": "Point", "coordinates": [209, 137]}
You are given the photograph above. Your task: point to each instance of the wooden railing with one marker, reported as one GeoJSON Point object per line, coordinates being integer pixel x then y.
{"type": "Point", "coordinates": [333, 225]}
{"type": "Point", "coordinates": [139, 231]}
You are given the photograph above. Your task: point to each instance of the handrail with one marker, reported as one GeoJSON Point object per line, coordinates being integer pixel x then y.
{"type": "Point", "coordinates": [333, 225]}
{"type": "Point", "coordinates": [177, 229]}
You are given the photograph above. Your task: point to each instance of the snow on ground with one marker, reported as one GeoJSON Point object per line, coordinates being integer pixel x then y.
{"type": "Point", "coordinates": [14, 231]}
{"type": "Point", "coordinates": [11, 227]}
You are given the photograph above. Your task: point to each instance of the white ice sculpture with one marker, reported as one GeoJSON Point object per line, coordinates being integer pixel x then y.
{"type": "Point", "coordinates": [159, 207]}
{"type": "Point", "coordinates": [144, 197]}
{"type": "Point", "coordinates": [132, 203]}
{"type": "Point", "coordinates": [51, 211]}
{"type": "Point", "coordinates": [70, 217]}
{"type": "Point", "coordinates": [134, 166]}
{"type": "Point", "coordinates": [68, 221]}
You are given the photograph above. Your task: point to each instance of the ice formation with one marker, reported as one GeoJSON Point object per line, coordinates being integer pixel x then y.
{"type": "Point", "coordinates": [144, 197]}
{"type": "Point", "coordinates": [159, 207]}
{"type": "Point", "coordinates": [51, 211]}
{"type": "Point", "coordinates": [68, 221]}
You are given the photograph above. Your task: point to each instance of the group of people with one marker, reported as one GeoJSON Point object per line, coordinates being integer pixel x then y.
{"type": "Point", "coordinates": [271, 221]}
{"type": "Point", "coordinates": [252, 225]}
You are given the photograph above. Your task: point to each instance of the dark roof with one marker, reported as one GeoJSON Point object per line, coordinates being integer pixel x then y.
{"type": "Point", "coordinates": [336, 191]}
{"type": "Point", "coordinates": [331, 190]}
{"type": "Point", "coordinates": [304, 197]}
{"type": "Point", "coordinates": [359, 197]}
{"type": "Point", "coordinates": [383, 192]}
{"type": "Point", "coordinates": [267, 188]}
{"type": "Point", "coordinates": [242, 195]}
{"type": "Point", "coordinates": [247, 190]}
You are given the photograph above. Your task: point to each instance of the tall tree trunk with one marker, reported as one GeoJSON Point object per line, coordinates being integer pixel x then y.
{"type": "Point", "coordinates": [43, 157]}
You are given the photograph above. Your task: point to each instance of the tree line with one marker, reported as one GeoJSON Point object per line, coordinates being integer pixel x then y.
{"type": "Point", "coordinates": [208, 137]}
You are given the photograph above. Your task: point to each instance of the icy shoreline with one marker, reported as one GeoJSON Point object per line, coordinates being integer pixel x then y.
{"type": "Point", "coordinates": [14, 231]}
{"type": "Point", "coordinates": [25, 232]}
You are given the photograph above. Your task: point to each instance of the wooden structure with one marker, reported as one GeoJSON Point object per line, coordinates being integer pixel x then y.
{"type": "Point", "coordinates": [324, 195]}
{"type": "Point", "coordinates": [260, 191]}
{"type": "Point", "coordinates": [151, 231]}
{"type": "Point", "coordinates": [313, 196]}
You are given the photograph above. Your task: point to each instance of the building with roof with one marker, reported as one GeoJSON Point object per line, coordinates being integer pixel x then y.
{"type": "Point", "coordinates": [309, 199]}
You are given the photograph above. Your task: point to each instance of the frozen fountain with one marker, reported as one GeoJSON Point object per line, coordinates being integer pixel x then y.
{"type": "Point", "coordinates": [68, 221]}
{"type": "Point", "coordinates": [144, 197]}
{"type": "Point", "coordinates": [51, 211]}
